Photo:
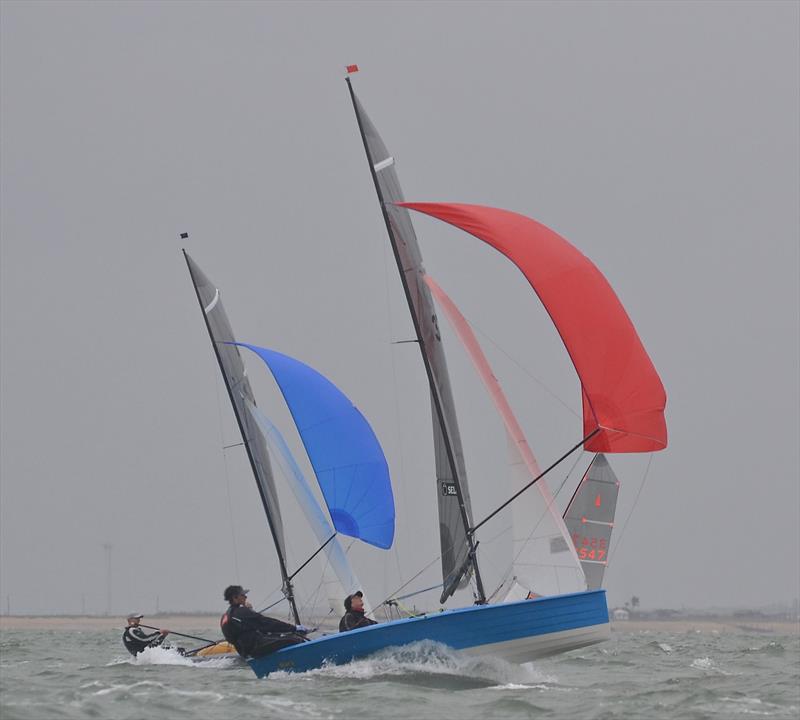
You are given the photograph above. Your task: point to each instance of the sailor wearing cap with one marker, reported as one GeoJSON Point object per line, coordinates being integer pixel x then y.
{"type": "Point", "coordinates": [136, 639]}
{"type": "Point", "coordinates": [254, 634]}
{"type": "Point", "coordinates": [354, 616]}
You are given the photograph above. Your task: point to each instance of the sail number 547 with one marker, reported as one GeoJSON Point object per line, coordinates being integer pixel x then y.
{"type": "Point", "coordinates": [590, 548]}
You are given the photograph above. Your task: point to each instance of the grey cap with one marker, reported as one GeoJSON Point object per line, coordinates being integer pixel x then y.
{"type": "Point", "coordinates": [135, 616]}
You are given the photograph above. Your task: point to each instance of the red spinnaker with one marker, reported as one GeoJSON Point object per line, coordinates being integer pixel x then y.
{"type": "Point", "coordinates": [622, 393]}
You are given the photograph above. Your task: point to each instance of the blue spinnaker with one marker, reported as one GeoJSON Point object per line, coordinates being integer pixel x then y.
{"type": "Point", "coordinates": [347, 459]}
{"type": "Point", "coordinates": [300, 487]}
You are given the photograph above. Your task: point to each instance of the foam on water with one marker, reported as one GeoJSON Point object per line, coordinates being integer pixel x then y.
{"type": "Point", "coordinates": [772, 648]}
{"type": "Point", "coordinates": [664, 647]}
{"type": "Point", "coordinates": [706, 663]}
{"type": "Point", "coordinates": [756, 706]}
{"type": "Point", "coordinates": [170, 656]}
{"type": "Point", "coordinates": [431, 658]}
{"type": "Point", "coordinates": [161, 656]}
{"type": "Point", "coordinates": [659, 676]}
{"type": "Point", "coordinates": [516, 686]}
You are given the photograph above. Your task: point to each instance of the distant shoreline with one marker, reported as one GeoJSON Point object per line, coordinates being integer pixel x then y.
{"type": "Point", "coordinates": [89, 622]}
{"type": "Point", "coordinates": [756, 627]}
{"type": "Point", "coordinates": [209, 622]}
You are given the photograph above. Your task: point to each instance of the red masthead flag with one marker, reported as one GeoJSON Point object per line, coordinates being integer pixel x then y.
{"type": "Point", "coordinates": [352, 69]}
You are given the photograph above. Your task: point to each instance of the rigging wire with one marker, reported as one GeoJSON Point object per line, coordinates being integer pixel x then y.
{"type": "Point", "coordinates": [417, 592]}
{"type": "Point", "coordinates": [578, 486]}
{"type": "Point", "coordinates": [527, 372]}
{"type": "Point", "coordinates": [541, 384]}
{"type": "Point", "coordinates": [569, 473]}
{"type": "Point", "coordinates": [290, 552]}
{"type": "Point", "coordinates": [323, 580]}
{"type": "Point", "coordinates": [392, 594]}
{"type": "Point", "coordinates": [508, 572]}
{"type": "Point", "coordinates": [269, 607]}
{"type": "Point", "coordinates": [391, 597]}
{"type": "Point", "coordinates": [313, 597]}
{"type": "Point", "coordinates": [395, 397]}
{"type": "Point", "coordinates": [311, 600]}
{"type": "Point", "coordinates": [555, 494]}
{"type": "Point", "coordinates": [227, 477]}
{"type": "Point", "coordinates": [550, 505]}
{"type": "Point", "coordinates": [613, 554]}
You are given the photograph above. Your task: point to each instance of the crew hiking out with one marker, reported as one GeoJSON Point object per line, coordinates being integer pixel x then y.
{"type": "Point", "coordinates": [254, 634]}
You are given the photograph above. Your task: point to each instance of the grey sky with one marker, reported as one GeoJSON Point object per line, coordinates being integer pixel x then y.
{"type": "Point", "coordinates": [661, 139]}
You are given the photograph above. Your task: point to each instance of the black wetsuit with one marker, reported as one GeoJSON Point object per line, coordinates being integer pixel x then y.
{"type": "Point", "coordinates": [254, 634]}
{"type": "Point", "coordinates": [136, 639]}
{"type": "Point", "coordinates": [354, 619]}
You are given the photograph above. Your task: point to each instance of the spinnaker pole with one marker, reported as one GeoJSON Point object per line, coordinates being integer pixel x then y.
{"type": "Point", "coordinates": [578, 487]}
{"type": "Point", "coordinates": [535, 480]}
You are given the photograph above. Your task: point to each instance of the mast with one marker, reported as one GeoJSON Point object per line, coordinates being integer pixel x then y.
{"type": "Point", "coordinates": [233, 374]}
{"type": "Point", "coordinates": [457, 540]}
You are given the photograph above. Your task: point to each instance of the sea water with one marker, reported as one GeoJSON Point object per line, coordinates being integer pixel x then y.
{"type": "Point", "coordinates": [651, 674]}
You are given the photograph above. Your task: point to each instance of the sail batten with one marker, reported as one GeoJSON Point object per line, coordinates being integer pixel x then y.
{"type": "Point", "coordinates": [455, 513]}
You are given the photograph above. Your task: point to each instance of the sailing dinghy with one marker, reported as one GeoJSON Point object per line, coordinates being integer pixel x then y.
{"type": "Point", "coordinates": [623, 401]}
{"type": "Point", "coordinates": [623, 411]}
{"type": "Point", "coordinates": [508, 630]}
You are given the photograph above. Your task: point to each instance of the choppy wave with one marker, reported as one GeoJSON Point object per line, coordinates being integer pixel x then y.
{"type": "Point", "coordinates": [431, 659]}
{"type": "Point", "coordinates": [770, 648]}
{"type": "Point", "coordinates": [707, 663]}
{"type": "Point", "coordinates": [664, 647]}
{"type": "Point", "coordinates": [171, 656]}
{"type": "Point", "coordinates": [757, 707]}
{"type": "Point", "coordinates": [730, 676]}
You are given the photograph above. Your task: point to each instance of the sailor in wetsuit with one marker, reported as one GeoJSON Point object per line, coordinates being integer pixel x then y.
{"type": "Point", "coordinates": [354, 616]}
{"type": "Point", "coordinates": [254, 634]}
{"type": "Point", "coordinates": [136, 639]}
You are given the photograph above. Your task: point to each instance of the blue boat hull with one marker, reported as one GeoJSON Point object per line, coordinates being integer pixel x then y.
{"type": "Point", "coordinates": [518, 632]}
